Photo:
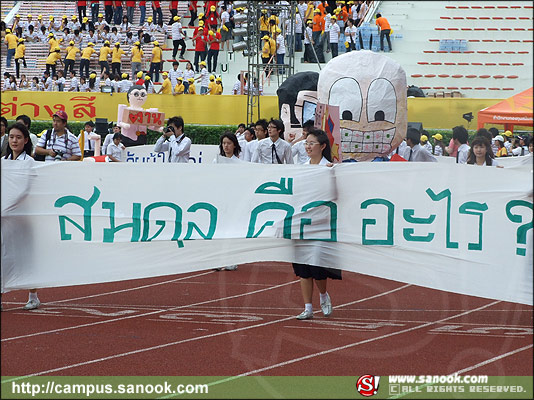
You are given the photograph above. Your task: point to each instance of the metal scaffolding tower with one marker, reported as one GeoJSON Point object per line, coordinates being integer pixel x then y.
{"type": "Point", "coordinates": [260, 74]}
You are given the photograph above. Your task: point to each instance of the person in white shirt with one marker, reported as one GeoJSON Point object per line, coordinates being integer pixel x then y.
{"type": "Point", "coordinates": [298, 147]}
{"type": "Point", "coordinates": [414, 151]}
{"type": "Point", "coordinates": [177, 38]}
{"type": "Point", "coordinates": [114, 150]}
{"type": "Point", "coordinates": [274, 149]}
{"type": "Point", "coordinates": [109, 139]}
{"type": "Point", "coordinates": [318, 149]}
{"type": "Point", "coordinates": [61, 145]}
{"type": "Point", "coordinates": [175, 73]}
{"type": "Point", "coordinates": [89, 143]}
{"type": "Point", "coordinates": [204, 78]}
{"type": "Point", "coordinates": [460, 136]}
{"type": "Point", "coordinates": [280, 49]}
{"type": "Point", "coordinates": [74, 84]}
{"type": "Point", "coordinates": [60, 81]}
{"type": "Point", "coordinates": [308, 42]}
{"type": "Point", "coordinates": [174, 141]}
{"type": "Point", "coordinates": [125, 84]}
{"type": "Point", "coordinates": [229, 147]}
{"type": "Point", "coordinates": [237, 88]}
{"type": "Point", "coordinates": [260, 132]}
{"type": "Point", "coordinates": [351, 34]}
{"type": "Point", "coordinates": [48, 86]}
{"type": "Point", "coordinates": [334, 36]}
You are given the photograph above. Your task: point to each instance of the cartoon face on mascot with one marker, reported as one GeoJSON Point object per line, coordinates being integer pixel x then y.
{"type": "Point", "coordinates": [370, 91]}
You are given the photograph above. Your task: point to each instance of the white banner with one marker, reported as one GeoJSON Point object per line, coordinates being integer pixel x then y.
{"type": "Point", "coordinates": [200, 153]}
{"type": "Point", "coordinates": [458, 228]}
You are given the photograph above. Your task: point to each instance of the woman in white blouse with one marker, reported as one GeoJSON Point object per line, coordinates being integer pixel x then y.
{"type": "Point", "coordinates": [317, 146]}
{"type": "Point", "coordinates": [20, 148]}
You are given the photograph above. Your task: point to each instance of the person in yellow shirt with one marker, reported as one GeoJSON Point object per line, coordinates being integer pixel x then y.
{"type": "Point", "coordinates": [103, 55]}
{"type": "Point", "coordinates": [179, 88]}
{"type": "Point", "coordinates": [211, 85]}
{"type": "Point", "coordinates": [266, 49]}
{"type": "Point", "coordinates": [52, 42]}
{"type": "Point", "coordinates": [191, 89]}
{"type": "Point", "coordinates": [86, 57]}
{"type": "Point", "coordinates": [218, 86]}
{"type": "Point", "coordinates": [264, 23]}
{"type": "Point", "coordinates": [52, 59]}
{"type": "Point", "coordinates": [19, 56]}
{"type": "Point", "coordinates": [166, 87]}
{"type": "Point", "coordinates": [137, 58]}
{"type": "Point", "coordinates": [155, 62]}
{"type": "Point", "coordinates": [274, 21]}
{"type": "Point", "coordinates": [71, 50]}
{"type": "Point", "coordinates": [116, 59]}
{"type": "Point", "coordinates": [11, 41]}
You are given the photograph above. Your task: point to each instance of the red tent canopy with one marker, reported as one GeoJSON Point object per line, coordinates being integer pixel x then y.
{"type": "Point", "coordinates": [516, 110]}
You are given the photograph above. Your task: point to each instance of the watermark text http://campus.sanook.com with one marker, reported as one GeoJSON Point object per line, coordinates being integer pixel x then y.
{"type": "Point", "coordinates": [52, 388]}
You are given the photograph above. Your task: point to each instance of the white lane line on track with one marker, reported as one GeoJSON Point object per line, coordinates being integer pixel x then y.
{"type": "Point", "coordinates": [130, 289]}
{"type": "Point", "coordinates": [162, 346]}
{"type": "Point", "coordinates": [147, 314]}
{"type": "Point", "coordinates": [472, 367]}
{"type": "Point", "coordinates": [490, 360]}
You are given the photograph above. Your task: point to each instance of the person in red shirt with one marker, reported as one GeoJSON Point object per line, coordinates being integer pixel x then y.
{"type": "Point", "coordinates": [82, 8]}
{"type": "Point", "coordinates": [140, 81]}
{"type": "Point", "coordinates": [130, 7]}
{"type": "Point", "coordinates": [108, 9]}
{"type": "Point", "coordinates": [199, 39]}
{"type": "Point", "coordinates": [156, 11]}
{"type": "Point", "coordinates": [117, 14]}
{"type": "Point", "coordinates": [193, 10]}
{"type": "Point", "coordinates": [173, 7]}
{"type": "Point", "coordinates": [385, 30]}
{"type": "Point", "coordinates": [214, 42]}
{"type": "Point", "coordinates": [212, 18]}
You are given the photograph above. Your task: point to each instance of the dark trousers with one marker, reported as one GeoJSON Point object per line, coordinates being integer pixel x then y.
{"type": "Point", "coordinates": [104, 66]}
{"type": "Point", "coordinates": [334, 49]}
{"type": "Point", "coordinates": [129, 14]}
{"type": "Point", "coordinates": [82, 12]}
{"type": "Point", "coordinates": [174, 13]}
{"type": "Point", "coordinates": [154, 71]}
{"type": "Point", "coordinates": [51, 67]}
{"type": "Point", "coordinates": [117, 15]}
{"type": "Point", "coordinates": [280, 60]}
{"type": "Point", "coordinates": [156, 12]}
{"type": "Point", "coordinates": [84, 64]}
{"type": "Point", "coordinates": [199, 56]}
{"type": "Point", "coordinates": [109, 13]}
{"type": "Point", "coordinates": [17, 65]}
{"type": "Point", "coordinates": [194, 16]}
{"type": "Point", "coordinates": [94, 12]}
{"type": "Point", "coordinates": [69, 66]}
{"type": "Point", "coordinates": [175, 44]}
{"type": "Point", "coordinates": [116, 68]}
{"type": "Point", "coordinates": [318, 46]}
{"type": "Point", "coordinates": [385, 32]}
{"type": "Point", "coordinates": [212, 60]}
{"type": "Point", "coordinates": [308, 53]}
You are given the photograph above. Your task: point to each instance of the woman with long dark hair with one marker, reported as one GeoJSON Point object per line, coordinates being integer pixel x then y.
{"type": "Point", "coordinates": [481, 153]}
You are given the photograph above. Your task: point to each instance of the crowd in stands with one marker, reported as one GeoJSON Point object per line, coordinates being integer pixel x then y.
{"type": "Point", "coordinates": [111, 36]}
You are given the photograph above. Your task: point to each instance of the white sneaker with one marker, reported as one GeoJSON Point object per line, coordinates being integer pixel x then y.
{"type": "Point", "coordinates": [305, 315]}
{"type": "Point", "coordinates": [231, 268]}
{"type": "Point", "coordinates": [32, 305]}
{"type": "Point", "coordinates": [326, 306]}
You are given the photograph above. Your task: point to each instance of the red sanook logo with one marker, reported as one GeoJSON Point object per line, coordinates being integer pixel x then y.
{"type": "Point", "coordinates": [367, 385]}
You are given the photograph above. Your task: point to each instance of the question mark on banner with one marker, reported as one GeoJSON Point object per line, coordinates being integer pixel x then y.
{"type": "Point", "coordinates": [523, 229]}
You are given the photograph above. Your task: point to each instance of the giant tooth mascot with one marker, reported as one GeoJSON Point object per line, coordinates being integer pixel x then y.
{"type": "Point", "coordinates": [370, 91]}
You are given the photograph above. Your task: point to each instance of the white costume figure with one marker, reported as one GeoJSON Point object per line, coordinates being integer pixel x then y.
{"type": "Point", "coordinates": [132, 128]}
{"type": "Point", "coordinates": [370, 90]}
